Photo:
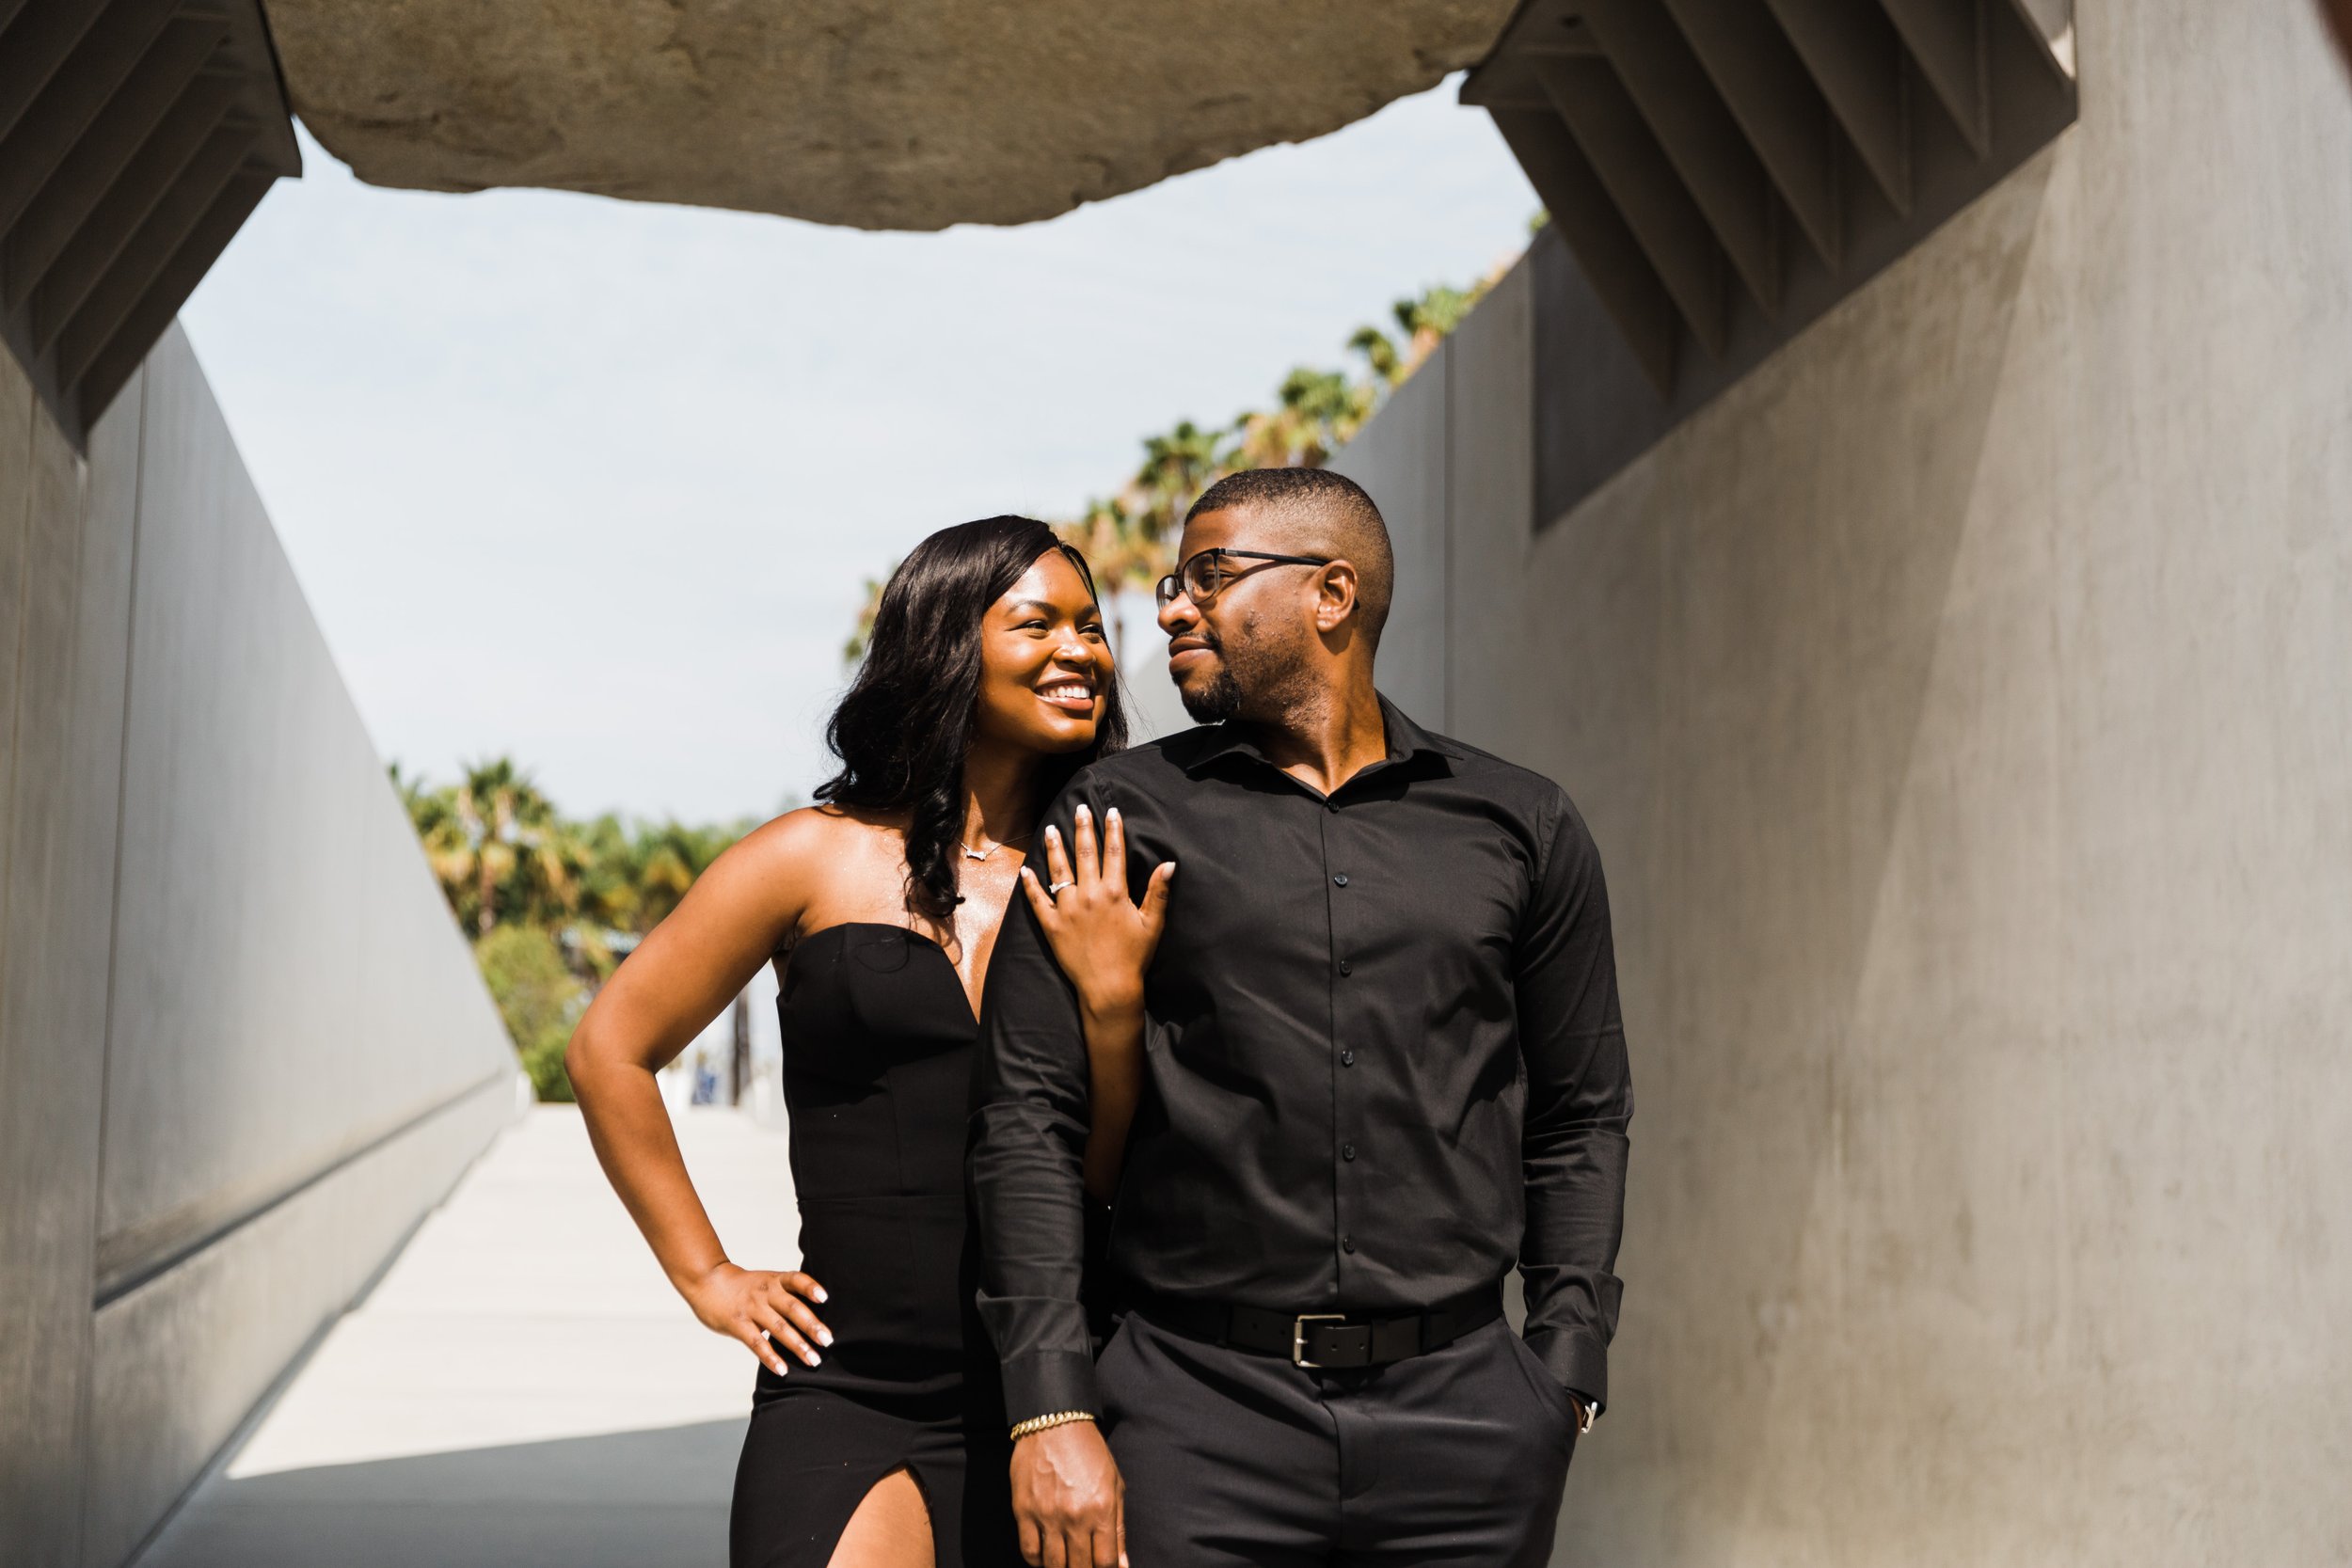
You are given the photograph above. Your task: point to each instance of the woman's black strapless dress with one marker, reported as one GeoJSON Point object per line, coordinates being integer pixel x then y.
{"type": "Point", "coordinates": [878, 1041]}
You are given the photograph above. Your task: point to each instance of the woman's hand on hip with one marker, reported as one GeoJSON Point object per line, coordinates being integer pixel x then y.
{"type": "Point", "coordinates": [1103, 939]}
{"type": "Point", "coordinates": [766, 1309]}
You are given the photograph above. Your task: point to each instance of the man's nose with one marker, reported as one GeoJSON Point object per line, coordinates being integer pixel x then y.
{"type": "Point", "coordinates": [1178, 614]}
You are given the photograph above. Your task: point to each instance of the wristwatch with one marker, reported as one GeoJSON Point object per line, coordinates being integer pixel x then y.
{"type": "Point", "coordinates": [1586, 1412]}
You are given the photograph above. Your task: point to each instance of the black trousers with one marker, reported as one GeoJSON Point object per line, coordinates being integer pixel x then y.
{"type": "Point", "coordinates": [1456, 1456]}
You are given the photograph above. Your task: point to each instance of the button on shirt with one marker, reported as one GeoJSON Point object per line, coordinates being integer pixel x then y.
{"type": "Point", "coordinates": [1384, 1060]}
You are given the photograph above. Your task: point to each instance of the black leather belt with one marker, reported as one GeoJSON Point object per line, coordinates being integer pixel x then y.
{"type": "Point", "coordinates": [1326, 1339]}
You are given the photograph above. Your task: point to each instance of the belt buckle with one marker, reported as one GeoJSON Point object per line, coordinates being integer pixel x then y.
{"type": "Point", "coordinates": [1298, 1334]}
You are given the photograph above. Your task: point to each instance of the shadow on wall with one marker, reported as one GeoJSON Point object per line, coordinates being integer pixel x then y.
{"type": "Point", "coordinates": [655, 1498]}
{"type": "Point", "coordinates": [1779, 575]}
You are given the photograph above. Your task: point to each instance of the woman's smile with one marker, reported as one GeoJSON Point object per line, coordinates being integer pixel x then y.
{"type": "Point", "coordinates": [1071, 693]}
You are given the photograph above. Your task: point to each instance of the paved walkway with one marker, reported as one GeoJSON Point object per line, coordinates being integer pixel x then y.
{"type": "Point", "coordinates": [522, 1388]}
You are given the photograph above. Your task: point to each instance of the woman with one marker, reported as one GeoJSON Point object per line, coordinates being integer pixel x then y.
{"type": "Point", "coordinates": [878, 1437]}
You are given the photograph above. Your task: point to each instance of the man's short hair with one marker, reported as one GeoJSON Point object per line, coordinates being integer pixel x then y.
{"type": "Point", "coordinates": [1318, 513]}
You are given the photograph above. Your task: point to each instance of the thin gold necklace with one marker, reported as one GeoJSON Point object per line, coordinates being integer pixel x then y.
{"type": "Point", "coordinates": [970, 854]}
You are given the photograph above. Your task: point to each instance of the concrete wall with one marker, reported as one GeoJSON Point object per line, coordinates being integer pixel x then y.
{"type": "Point", "coordinates": [242, 1047]}
{"type": "Point", "coordinates": [1962, 704]}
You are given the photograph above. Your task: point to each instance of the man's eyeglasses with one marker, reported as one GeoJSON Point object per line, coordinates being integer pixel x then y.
{"type": "Point", "coordinates": [1204, 575]}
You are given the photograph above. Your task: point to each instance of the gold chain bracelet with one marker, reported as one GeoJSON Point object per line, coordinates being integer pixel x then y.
{"type": "Point", "coordinates": [1059, 1418]}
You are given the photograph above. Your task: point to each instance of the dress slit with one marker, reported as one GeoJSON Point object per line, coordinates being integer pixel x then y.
{"type": "Point", "coordinates": [878, 1036]}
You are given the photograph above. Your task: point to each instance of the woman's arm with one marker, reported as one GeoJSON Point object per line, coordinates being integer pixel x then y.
{"type": "Point", "coordinates": [1104, 941]}
{"type": "Point", "coordinates": [1115, 1060]}
{"type": "Point", "coordinates": [732, 919]}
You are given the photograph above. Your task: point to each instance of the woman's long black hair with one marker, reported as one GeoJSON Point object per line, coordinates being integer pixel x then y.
{"type": "Point", "coordinates": [902, 728]}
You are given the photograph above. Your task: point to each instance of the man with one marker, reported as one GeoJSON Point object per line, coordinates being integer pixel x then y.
{"type": "Point", "coordinates": [1384, 1064]}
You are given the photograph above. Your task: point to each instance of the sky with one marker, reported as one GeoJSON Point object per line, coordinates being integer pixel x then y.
{"type": "Point", "coordinates": [596, 485]}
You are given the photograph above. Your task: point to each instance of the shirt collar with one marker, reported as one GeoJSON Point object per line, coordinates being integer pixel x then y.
{"type": "Point", "coordinates": [1406, 740]}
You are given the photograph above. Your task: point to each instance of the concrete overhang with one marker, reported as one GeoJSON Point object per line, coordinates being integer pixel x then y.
{"type": "Point", "coordinates": [854, 112]}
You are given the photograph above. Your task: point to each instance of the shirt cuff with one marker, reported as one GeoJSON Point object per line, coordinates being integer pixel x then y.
{"type": "Point", "coordinates": [1048, 1383]}
{"type": "Point", "coordinates": [1578, 1361]}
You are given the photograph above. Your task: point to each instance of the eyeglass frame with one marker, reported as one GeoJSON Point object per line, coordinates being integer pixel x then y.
{"type": "Point", "coordinates": [1165, 592]}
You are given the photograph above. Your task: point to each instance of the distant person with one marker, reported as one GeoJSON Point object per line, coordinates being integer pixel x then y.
{"type": "Point", "coordinates": [1385, 1067]}
{"type": "Point", "coordinates": [878, 1434]}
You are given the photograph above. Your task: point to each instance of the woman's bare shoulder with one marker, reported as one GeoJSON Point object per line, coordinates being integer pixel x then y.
{"type": "Point", "coordinates": [820, 834]}
{"type": "Point", "coordinates": [817, 857]}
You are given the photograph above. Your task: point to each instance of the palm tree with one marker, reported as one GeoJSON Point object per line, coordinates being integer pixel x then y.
{"type": "Point", "coordinates": [1177, 466]}
{"type": "Point", "coordinates": [1318, 413]}
{"type": "Point", "coordinates": [1379, 354]}
{"type": "Point", "coordinates": [500, 851]}
{"type": "Point", "coordinates": [449, 848]}
{"type": "Point", "coordinates": [854, 649]}
{"type": "Point", "coordinates": [1425, 319]}
{"type": "Point", "coordinates": [1431, 319]}
{"type": "Point", "coordinates": [1130, 538]}
{"type": "Point", "coordinates": [609, 895]}
{"type": "Point", "coordinates": [1437, 312]}
{"type": "Point", "coordinates": [1116, 546]}
{"type": "Point", "coordinates": [548, 899]}
{"type": "Point", "coordinates": [667, 858]}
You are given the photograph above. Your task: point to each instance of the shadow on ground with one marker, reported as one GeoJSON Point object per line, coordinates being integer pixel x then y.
{"type": "Point", "coordinates": [655, 1498]}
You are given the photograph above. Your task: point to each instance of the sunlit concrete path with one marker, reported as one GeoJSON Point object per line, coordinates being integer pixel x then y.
{"type": "Point", "coordinates": [522, 1388]}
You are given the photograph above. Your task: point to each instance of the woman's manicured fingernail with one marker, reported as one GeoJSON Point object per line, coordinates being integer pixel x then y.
{"type": "Point", "coordinates": [1112, 814]}
{"type": "Point", "coordinates": [1084, 813]}
{"type": "Point", "coordinates": [824, 1335]}
{"type": "Point", "coordinates": [820, 1294]}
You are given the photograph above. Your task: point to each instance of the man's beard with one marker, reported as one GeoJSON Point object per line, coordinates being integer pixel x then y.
{"type": "Point", "coordinates": [1217, 701]}
{"type": "Point", "coordinates": [1250, 683]}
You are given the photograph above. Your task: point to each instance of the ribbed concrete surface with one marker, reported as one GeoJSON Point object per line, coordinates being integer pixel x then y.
{"type": "Point", "coordinates": [522, 1388]}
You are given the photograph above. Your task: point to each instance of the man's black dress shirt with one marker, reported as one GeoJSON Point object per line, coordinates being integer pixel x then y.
{"type": "Point", "coordinates": [1384, 1059]}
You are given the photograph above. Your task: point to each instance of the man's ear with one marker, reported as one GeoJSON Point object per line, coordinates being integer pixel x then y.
{"type": "Point", "coordinates": [1335, 595]}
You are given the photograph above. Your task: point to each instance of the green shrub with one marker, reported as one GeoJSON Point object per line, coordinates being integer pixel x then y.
{"type": "Point", "coordinates": [539, 998]}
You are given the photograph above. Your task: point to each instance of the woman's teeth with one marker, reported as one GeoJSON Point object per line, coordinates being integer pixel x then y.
{"type": "Point", "coordinates": [1067, 691]}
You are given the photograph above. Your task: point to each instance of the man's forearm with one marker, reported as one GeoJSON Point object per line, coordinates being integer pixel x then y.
{"type": "Point", "coordinates": [1030, 1201]}
{"type": "Point", "coordinates": [1580, 1101]}
{"type": "Point", "coordinates": [1575, 1217]}
{"type": "Point", "coordinates": [1026, 1170]}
